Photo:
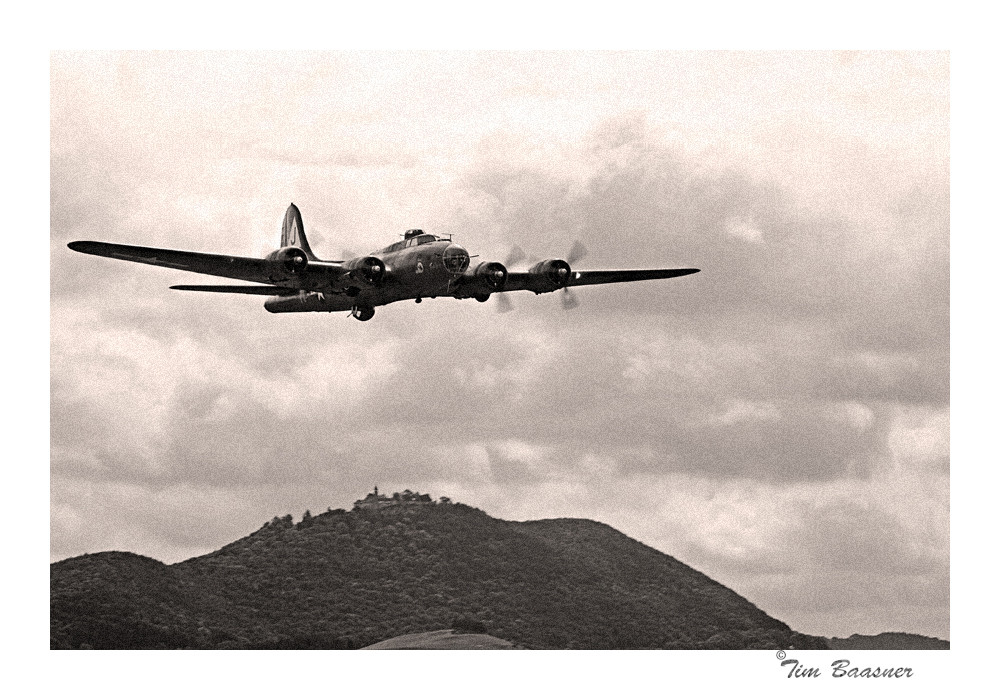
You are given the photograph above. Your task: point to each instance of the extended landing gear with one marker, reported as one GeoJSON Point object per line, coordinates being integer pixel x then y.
{"type": "Point", "coordinates": [481, 297]}
{"type": "Point", "coordinates": [363, 313]}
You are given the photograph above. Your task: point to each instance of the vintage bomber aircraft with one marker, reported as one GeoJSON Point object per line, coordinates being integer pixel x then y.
{"type": "Point", "coordinates": [419, 266]}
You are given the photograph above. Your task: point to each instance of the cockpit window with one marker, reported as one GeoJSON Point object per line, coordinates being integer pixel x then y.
{"type": "Point", "coordinates": [414, 237]}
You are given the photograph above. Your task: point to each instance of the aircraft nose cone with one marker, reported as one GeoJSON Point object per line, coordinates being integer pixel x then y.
{"type": "Point", "coordinates": [455, 259]}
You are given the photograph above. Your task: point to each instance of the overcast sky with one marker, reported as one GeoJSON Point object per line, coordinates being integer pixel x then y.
{"type": "Point", "coordinates": [779, 421]}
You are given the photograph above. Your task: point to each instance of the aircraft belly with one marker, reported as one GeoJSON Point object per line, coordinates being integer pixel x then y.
{"type": "Point", "coordinates": [426, 285]}
{"type": "Point", "coordinates": [311, 301]}
{"type": "Point", "coordinates": [410, 285]}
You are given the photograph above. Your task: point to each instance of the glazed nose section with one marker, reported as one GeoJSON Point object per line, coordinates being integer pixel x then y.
{"type": "Point", "coordinates": [455, 259]}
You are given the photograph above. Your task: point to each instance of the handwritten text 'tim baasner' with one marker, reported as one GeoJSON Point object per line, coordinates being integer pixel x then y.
{"type": "Point", "coordinates": [842, 669]}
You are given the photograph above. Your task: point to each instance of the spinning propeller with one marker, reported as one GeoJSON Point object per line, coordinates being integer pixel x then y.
{"type": "Point", "coordinates": [561, 274]}
{"type": "Point", "coordinates": [515, 256]}
{"type": "Point", "coordinates": [576, 253]}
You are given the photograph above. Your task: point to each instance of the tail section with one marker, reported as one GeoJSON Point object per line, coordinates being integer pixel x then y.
{"type": "Point", "coordinates": [293, 233]}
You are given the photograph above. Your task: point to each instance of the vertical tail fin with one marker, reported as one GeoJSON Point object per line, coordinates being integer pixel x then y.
{"type": "Point", "coordinates": [293, 233]}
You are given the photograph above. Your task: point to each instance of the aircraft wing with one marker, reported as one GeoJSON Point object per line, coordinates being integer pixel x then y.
{"type": "Point", "coordinates": [249, 269]}
{"type": "Point", "coordinates": [536, 283]}
{"type": "Point", "coordinates": [231, 266]}
{"type": "Point", "coordinates": [612, 276]}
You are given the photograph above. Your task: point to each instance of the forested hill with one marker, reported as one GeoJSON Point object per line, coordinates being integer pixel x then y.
{"type": "Point", "coordinates": [350, 579]}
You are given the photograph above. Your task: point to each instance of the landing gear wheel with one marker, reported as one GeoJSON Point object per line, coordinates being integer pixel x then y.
{"type": "Point", "coordinates": [363, 313]}
{"type": "Point", "coordinates": [481, 297]}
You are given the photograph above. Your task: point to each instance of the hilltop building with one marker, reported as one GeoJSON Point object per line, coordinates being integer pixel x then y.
{"type": "Point", "coordinates": [376, 500]}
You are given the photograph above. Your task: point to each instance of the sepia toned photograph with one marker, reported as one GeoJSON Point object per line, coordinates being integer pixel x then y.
{"type": "Point", "coordinates": [505, 350]}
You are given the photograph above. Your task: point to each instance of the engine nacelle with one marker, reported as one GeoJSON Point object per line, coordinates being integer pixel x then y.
{"type": "Point", "coordinates": [290, 259]}
{"type": "Point", "coordinates": [370, 269]}
{"type": "Point", "coordinates": [555, 272]}
{"type": "Point", "coordinates": [493, 274]}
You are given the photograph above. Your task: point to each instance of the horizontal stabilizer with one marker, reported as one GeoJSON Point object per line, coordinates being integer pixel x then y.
{"type": "Point", "coordinates": [238, 289]}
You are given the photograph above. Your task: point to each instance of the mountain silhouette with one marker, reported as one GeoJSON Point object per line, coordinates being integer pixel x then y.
{"type": "Point", "coordinates": [389, 568]}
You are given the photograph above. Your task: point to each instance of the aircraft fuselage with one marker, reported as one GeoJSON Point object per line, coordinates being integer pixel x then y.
{"type": "Point", "coordinates": [418, 267]}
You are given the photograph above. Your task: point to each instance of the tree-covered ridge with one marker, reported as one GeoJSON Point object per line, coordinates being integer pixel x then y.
{"type": "Point", "coordinates": [350, 579]}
